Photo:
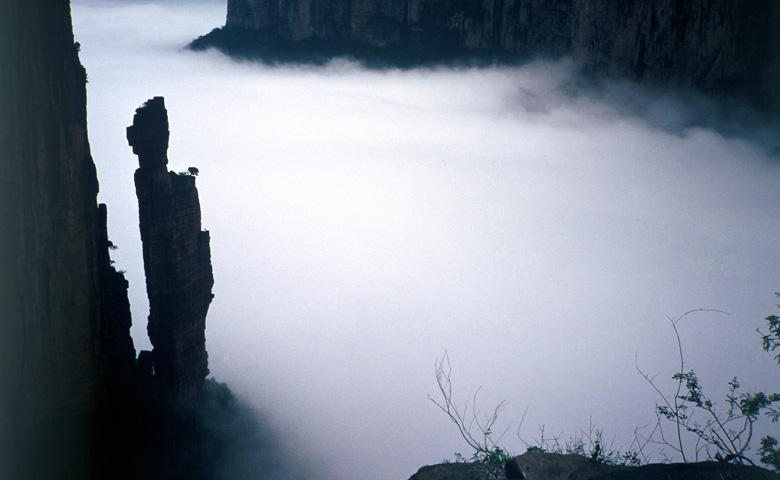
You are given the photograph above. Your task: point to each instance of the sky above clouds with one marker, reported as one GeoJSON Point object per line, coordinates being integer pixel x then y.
{"type": "Point", "coordinates": [365, 222]}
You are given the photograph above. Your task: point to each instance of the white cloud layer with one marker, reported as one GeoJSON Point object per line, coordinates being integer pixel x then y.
{"type": "Point", "coordinates": [362, 222]}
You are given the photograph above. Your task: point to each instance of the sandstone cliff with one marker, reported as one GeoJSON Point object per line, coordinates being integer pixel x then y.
{"type": "Point", "coordinates": [177, 258]}
{"type": "Point", "coordinates": [714, 45]}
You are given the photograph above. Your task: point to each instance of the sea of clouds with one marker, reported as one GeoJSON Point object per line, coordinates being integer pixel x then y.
{"type": "Point", "coordinates": [539, 228]}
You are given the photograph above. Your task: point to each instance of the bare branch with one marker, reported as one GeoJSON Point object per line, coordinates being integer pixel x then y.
{"type": "Point", "coordinates": [476, 431]}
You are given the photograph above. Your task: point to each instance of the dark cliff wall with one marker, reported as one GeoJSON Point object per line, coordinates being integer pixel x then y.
{"type": "Point", "coordinates": [715, 45]}
{"type": "Point", "coordinates": [508, 25]}
{"type": "Point", "coordinates": [728, 46]}
{"type": "Point", "coordinates": [177, 258]}
{"type": "Point", "coordinates": [73, 402]}
{"type": "Point", "coordinates": [56, 332]}
{"type": "Point", "coordinates": [119, 385]}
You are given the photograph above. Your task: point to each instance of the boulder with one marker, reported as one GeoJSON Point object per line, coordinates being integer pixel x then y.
{"type": "Point", "coordinates": [544, 466]}
{"type": "Point", "coordinates": [460, 471]}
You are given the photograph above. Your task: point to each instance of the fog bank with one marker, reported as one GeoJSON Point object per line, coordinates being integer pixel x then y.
{"type": "Point", "coordinates": [538, 229]}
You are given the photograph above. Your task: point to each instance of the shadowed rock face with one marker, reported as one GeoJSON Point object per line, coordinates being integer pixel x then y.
{"type": "Point", "coordinates": [73, 403]}
{"type": "Point", "coordinates": [715, 45]}
{"type": "Point", "coordinates": [116, 321]}
{"type": "Point", "coordinates": [729, 46]}
{"type": "Point", "coordinates": [177, 258]}
{"type": "Point", "coordinates": [64, 317]}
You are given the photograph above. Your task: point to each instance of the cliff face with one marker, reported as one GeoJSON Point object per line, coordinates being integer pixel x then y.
{"type": "Point", "coordinates": [73, 404]}
{"type": "Point", "coordinates": [715, 45]}
{"type": "Point", "coordinates": [509, 25]}
{"type": "Point", "coordinates": [61, 302]}
{"type": "Point", "coordinates": [177, 258]}
{"type": "Point", "coordinates": [115, 320]}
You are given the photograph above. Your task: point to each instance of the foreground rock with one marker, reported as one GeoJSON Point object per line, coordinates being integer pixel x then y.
{"type": "Point", "coordinates": [553, 466]}
{"type": "Point", "coordinates": [460, 471]}
{"type": "Point", "coordinates": [547, 466]}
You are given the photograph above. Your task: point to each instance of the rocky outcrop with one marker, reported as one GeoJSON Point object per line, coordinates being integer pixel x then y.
{"type": "Point", "coordinates": [460, 471]}
{"type": "Point", "coordinates": [177, 258]}
{"type": "Point", "coordinates": [553, 466]}
{"type": "Point", "coordinates": [714, 45]}
{"type": "Point", "coordinates": [546, 466]}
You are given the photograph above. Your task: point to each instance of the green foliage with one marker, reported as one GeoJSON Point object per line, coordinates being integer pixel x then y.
{"type": "Point", "coordinates": [768, 449]}
{"type": "Point", "coordinates": [770, 453]}
{"type": "Point", "coordinates": [722, 434]}
{"type": "Point", "coordinates": [614, 457]}
{"type": "Point", "coordinates": [771, 341]}
{"type": "Point", "coordinates": [496, 456]}
{"type": "Point", "coordinates": [728, 432]}
{"type": "Point", "coordinates": [190, 172]}
{"type": "Point", "coordinates": [590, 445]}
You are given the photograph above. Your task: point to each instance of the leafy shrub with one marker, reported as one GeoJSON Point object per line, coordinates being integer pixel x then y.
{"type": "Point", "coordinates": [725, 434]}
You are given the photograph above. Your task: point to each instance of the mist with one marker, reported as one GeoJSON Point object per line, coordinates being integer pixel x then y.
{"type": "Point", "coordinates": [539, 228]}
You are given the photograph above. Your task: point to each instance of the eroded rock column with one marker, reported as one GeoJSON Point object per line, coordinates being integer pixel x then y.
{"type": "Point", "coordinates": [177, 258]}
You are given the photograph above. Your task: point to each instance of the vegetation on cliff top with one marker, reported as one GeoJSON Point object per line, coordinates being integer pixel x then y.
{"type": "Point", "coordinates": [689, 424]}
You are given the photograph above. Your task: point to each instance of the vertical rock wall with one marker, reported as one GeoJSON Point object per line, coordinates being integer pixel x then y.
{"type": "Point", "coordinates": [58, 291]}
{"type": "Point", "coordinates": [70, 403]}
{"type": "Point", "coordinates": [49, 350]}
{"type": "Point", "coordinates": [177, 258]}
{"type": "Point", "coordinates": [119, 351]}
{"type": "Point", "coordinates": [715, 45]}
